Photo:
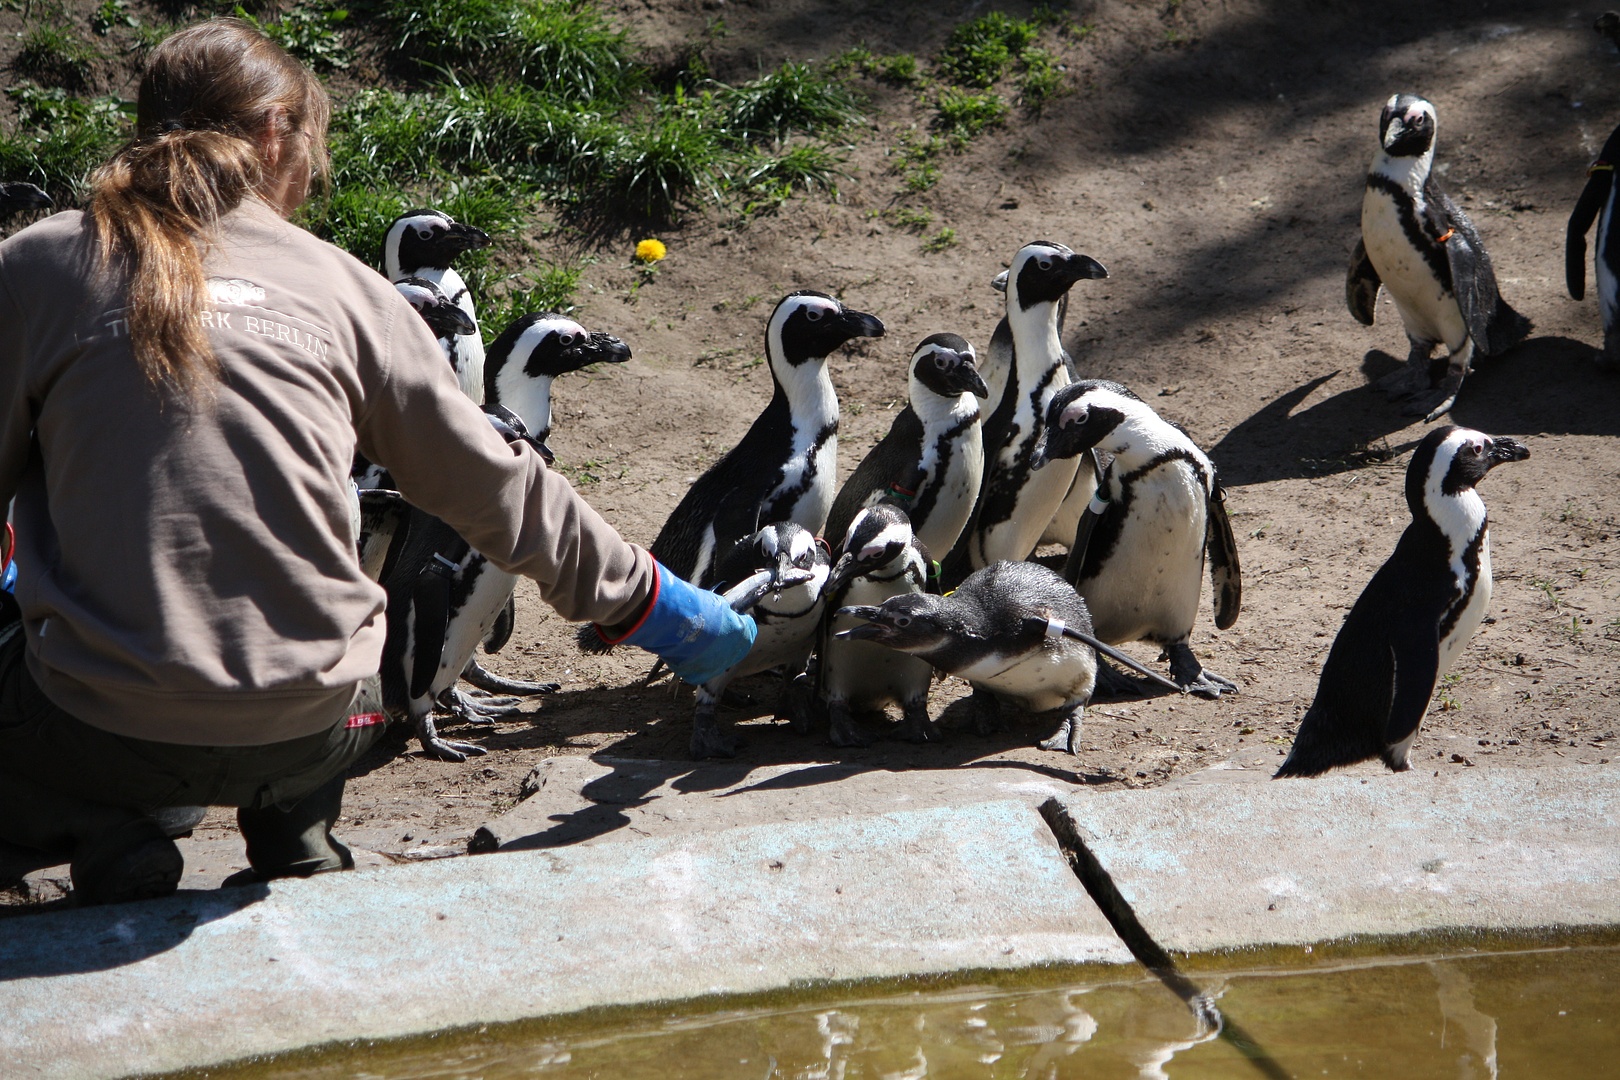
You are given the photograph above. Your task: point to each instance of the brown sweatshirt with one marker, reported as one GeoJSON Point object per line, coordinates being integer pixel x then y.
{"type": "Point", "coordinates": [188, 568]}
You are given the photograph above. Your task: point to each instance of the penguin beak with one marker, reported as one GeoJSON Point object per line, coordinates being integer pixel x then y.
{"type": "Point", "coordinates": [1505, 449]}
{"type": "Point", "coordinates": [1038, 456]}
{"type": "Point", "coordinates": [1084, 267]}
{"type": "Point", "coordinates": [782, 569]}
{"type": "Point", "coordinates": [965, 379]}
{"type": "Point", "coordinates": [843, 570]}
{"type": "Point", "coordinates": [607, 349]}
{"type": "Point", "coordinates": [868, 631]}
{"type": "Point", "coordinates": [467, 238]}
{"type": "Point", "coordinates": [999, 282]}
{"type": "Point", "coordinates": [23, 196]}
{"type": "Point", "coordinates": [545, 451]}
{"type": "Point", "coordinates": [456, 320]}
{"type": "Point", "coordinates": [860, 324]}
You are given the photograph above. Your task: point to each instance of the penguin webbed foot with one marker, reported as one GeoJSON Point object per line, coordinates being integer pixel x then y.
{"type": "Point", "coordinates": [1067, 736]}
{"type": "Point", "coordinates": [470, 710]}
{"type": "Point", "coordinates": [488, 682]}
{"type": "Point", "coordinates": [915, 726]}
{"type": "Point", "coordinates": [1190, 675]}
{"type": "Point", "coordinates": [842, 728]}
{"type": "Point", "coordinates": [709, 739]}
{"type": "Point", "coordinates": [1410, 378]}
{"type": "Point", "coordinates": [444, 749]}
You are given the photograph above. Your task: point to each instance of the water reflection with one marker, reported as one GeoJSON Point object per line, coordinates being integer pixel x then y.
{"type": "Point", "coordinates": [1545, 1013]}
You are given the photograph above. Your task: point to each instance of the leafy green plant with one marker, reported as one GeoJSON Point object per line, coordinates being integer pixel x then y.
{"type": "Point", "coordinates": [940, 241]}
{"type": "Point", "coordinates": [309, 32]}
{"type": "Point", "coordinates": [978, 53]}
{"type": "Point", "coordinates": [112, 13]}
{"type": "Point", "coordinates": [793, 98]}
{"type": "Point", "coordinates": [56, 55]}
{"type": "Point", "coordinates": [542, 287]}
{"type": "Point", "coordinates": [964, 113]}
{"type": "Point", "coordinates": [59, 138]}
{"type": "Point", "coordinates": [1041, 81]}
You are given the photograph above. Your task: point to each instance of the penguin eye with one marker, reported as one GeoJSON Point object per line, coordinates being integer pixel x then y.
{"type": "Point", "coordinates": [566, 340]}
{"type": "Point", "coordinates": [813, 314]}
{"type": "Point", "coordinates": [1044, 264]}
{"type": "Point", "coordinates": [902, 621]}
{"type": "Point", "coordinates": [424, 234]}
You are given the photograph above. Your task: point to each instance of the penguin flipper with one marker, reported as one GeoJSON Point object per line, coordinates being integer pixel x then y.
{"type": "Point", "coordinates": [1361, 285]}
{"type": "Point", "coordinates": [1416, 660]}
{"type": "Point", "coordinates": [500, 632]}
{"type": "Point", "coordinates": [1225, 575]}
{"type": "Point", "coordinates": [1581, 218]}
{"type": "Point", "coordinates": [430, 603]}
{"type": "Point", "coordinates": [1492, 323]}
{"type": "Point", "coordinates": [1074, 566]}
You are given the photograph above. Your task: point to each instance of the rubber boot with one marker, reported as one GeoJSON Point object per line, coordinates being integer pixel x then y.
{"type": "Point", "coordinates": [294, 842]}
{"type": "Point", "coordinates": [135, 861]}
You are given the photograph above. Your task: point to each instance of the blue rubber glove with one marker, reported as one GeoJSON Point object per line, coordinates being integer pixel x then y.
{"type": "Point", "coordinates": [692, 630]}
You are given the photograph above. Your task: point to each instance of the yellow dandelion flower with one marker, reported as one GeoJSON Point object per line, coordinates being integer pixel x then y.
{"type": "Point", "coordinates": [650, 251]}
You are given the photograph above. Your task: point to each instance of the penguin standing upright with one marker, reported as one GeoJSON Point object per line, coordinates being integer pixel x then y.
{"type": "Point", "coordinates": [1418, 244]}
{"type": "Point", "coordinates": [932, 459]}
{"type": "Point", "coordinates": [880, 557]}
{"type": "Point", "coordinates": [423, 244]}
{"type": "Point", "coordinates": [785, 467]}
{"type": "Point", "coordinates": [1015, 630]}
{"type": "Point", "coordinates": [1015, 503]}
{"type": "Point", "coordinates": [778, 576]}
{"type": "Point", "coordinates": [1415, 615]}
{"type": "Point", "coordinates": [1597, 203]}
{"type": "Point", "coordinates": [1138, 555]}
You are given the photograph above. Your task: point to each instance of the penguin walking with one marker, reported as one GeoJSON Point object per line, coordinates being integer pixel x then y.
{"type": "Point", "coordinates": [1138, 554]}
{"type": "Point", "coordinates": [1026, 361]}
{"type": "Point", "coordinates": [880, 558]}
{"type": "Point", "coordinates": [932, 459]}
{"type": "Point", "coordinates": [779, 576]}
{"type": "Point", "coordinates": [1015, 630]}
{"type": "Point", "coordinates": [1419, 245]}
{"type": "Point", "coordinates": [1597, 204]}
{"type": "Point", "coordinates": [786, 466]}
{"type": "Point", "coordinates": [1415, 615]}
{"type": "Point", "coordinates": [423, 244]}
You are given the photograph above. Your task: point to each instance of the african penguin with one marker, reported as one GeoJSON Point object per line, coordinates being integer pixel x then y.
{"type": "Point", "coordinates": [18, 196]}
{"type": "Point", "coordinates": [778, 575]}
{"type": "Point", "coordinates": [932, 459]}
{"type": "Point", "coordinates": [422, 244]}
{"type": "Point", "coordinates": [1138, 554]}
{"type": "Point", "coordinates": [879, 558]}
{"type": "Point", "coordinates": [527, 357]}
{"type": "Point", "coordinates": [1597, 203]}
{"type": "Point", "coordinates": [1415, 615]}
{"type": "Point", "coordinates": [1418, 244]}
{"type": "Point", "coordinates": [785, 467]}
{"type": "Point", "coordinates": [1003, 630]}
{"type": "Point", "coordinates": [1026, 358]}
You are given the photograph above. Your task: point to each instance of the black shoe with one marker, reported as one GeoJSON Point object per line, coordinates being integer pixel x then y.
{"type": "Point", "coordinates": [136, 861]}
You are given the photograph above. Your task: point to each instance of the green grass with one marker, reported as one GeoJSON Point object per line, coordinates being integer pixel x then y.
{"type": "Point", "coordinates": [963, 114]}
{"type": "Point", "coordinates": [59, 138]}
{"type": "Point", "coordinates": [308, 31]}
{"type": "Point", "coordinates": [55, 54]}
{"type": "Point", "coordinates": [979, 53]}
{"type": "Point", "coordinates": [793, 98]}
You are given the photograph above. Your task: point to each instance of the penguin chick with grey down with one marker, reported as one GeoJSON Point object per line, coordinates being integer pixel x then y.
{"type": "Point", "coordinates": [880, 558]}
{"type": "Point", "coordinates": [1415, 615]}
{"type": "Point", "coordinates": [1419, 245]}
{"type": "Point", "coordinates": [778, 576]}
{"type": "Point", "coordinates": [1138, 552]}
{"type": "Point", "coordinates": [1015, 630]}
{"type": "Point", "coordinates": [932, 459]}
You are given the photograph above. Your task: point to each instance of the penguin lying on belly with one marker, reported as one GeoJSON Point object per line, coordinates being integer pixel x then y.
{"type": "Point", "coordinates": [1015, 630]}
{"type": "Point", "coordinates": [1139, 550]}
{"type": "Point", "coordinates": [1415, 615]}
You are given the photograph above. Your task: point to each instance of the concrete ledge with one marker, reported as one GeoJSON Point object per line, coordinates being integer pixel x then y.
{"type": "Point", "coordinates": [1230, 864]}
{"type": "Point", "coordinates": [207, 977]}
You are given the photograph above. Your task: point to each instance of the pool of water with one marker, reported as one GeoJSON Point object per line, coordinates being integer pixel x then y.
{"type": "Point", "coordinates": [1547, 1012]}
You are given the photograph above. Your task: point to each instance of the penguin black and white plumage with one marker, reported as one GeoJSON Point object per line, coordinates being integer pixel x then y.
{"type": "Point", "coordinates": [528, 356]}
{"type": "Point", "coordinates": [786, 466]}
{"type": "Point", "coordinates": [1415, 615]}
{"type": "Point", "coordinates": [1003, 630]}
{"type": "Point", "coordinates": [879, 558]}
{"type": "Point", "coordinates": [779, 576]}
{"type": "Point", "coordinates": [1597, 204]}
{"type": "Point", "coordinates": [1024, 368]}
{"type": "Point", "coordinates": [445, 599]}
{"type": "Point", "coordinates": [932, 459]}
{"type": "Point", "coordinates": [423, 244]}
{"type": "Point", "coordinates": [1138, 556]}
{"type": "Point", "coordinates": [1419, 245]}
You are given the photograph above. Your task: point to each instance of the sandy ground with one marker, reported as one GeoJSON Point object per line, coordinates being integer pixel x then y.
{"type": "Point", "coordinates": [1212, 156]}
